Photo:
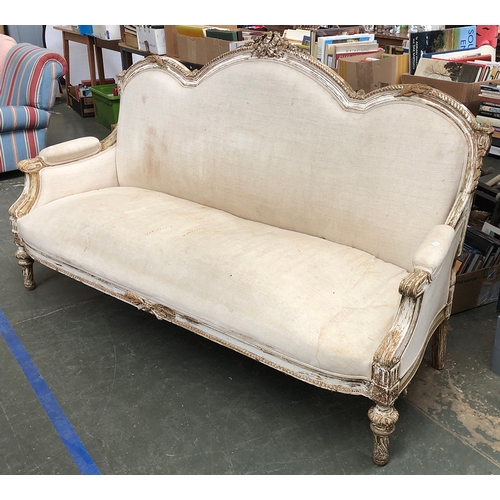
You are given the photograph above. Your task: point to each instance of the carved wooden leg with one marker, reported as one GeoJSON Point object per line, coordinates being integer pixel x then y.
{"type": "Point", "coordinates": [439, 345]}
{"type": "Point", "coordinates": [383, 422]}
{"type": "Point", "coordinates": [26, 263]}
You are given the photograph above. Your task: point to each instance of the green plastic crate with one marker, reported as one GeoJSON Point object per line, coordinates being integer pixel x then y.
{"type": "Point", "coordinates": [107, 105]}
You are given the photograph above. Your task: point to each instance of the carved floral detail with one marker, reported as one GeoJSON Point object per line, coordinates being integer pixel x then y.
{"type": "Point", "coordinates": [160, 311]}
{"type": "Point", "coordinates": [271, 45]}
{"type": "Point", "coordinates": [415, 88]}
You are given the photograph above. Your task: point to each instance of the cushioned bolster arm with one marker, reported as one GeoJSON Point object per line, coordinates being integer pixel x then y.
{"type": "Point", "coordinates": [75, 149]}
{"type": "Point", "coordinates": [22, 118]}
{"type": "Point", "coordinates": [434, 249]}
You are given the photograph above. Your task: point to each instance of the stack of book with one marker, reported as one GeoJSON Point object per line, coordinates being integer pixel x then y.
{"type": "Point", "coordinates": [231, 34]}
{"type": "Point", "coordinates": [489, 108]}
{"type": "Point", "coordinates": [481, 249]}
{"type": "Point", "coordinates": [328, 45]}
{"type": "Point", "coordinates": [331, 48]}
{"type": "Point", "coordinates": [466, 66]}
{"type": "Point", "coordinates": [446, 39]}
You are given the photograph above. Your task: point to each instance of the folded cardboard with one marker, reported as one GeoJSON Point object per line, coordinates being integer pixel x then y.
{"type": "Point", "coordinates": [198, 50]}
{"type": "Point", "coordinates": [379, 70]}
{"type": "Point", "coordinates": [476, 289]}
{"type": "Point", "coordinates": [152, 40]}
{"type": "Point", "coordinates": [107, 31]}
{"type": "Point", "coordinates": [466, 93]}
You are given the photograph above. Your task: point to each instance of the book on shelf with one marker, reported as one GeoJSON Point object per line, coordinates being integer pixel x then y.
{"type": "Point", "coordinates": [466, 72]}
{"type": "Point", "coordinates": [440, 40]}
{"type": "Point", "coordinates": [481, 249]}
{"type": "Point", "coordinates": [489, 100]}
{"type": "Point", "coordinates": [482, 52]}
{"type": "Point", "coordinates": [321, 32]}
{"type": "Point", "coordinates": [494, 122]}
{"type": "Point", "coordinates": [298, 36]}
{"type": "Point", "coordinates": [491, 88]}
{"type": "Point", "coordinates": [190, 30]}
{"type": "Point", "coordinates": [489, 110]}
{"type": "Point", "coordinates": [324, 41]}
{"type": "Point", "coordinates": [336, 51]}
{"type": "Point", "coordinates": [224, 34]}
{"type": "Point", "coordinates": [487, 35]}
{"type": "Point", "coordinates": [492, 70]}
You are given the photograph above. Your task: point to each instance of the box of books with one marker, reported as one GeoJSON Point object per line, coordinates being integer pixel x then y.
{"type": "Point", "coordinates": [466, 93]}
{"type": "Point", "coordinates": [478, 269]}
{"type": "Point", "coordinates": [201, 50]}
{"type": "Point", "coordinates": [476, 289]}
{"type": "Point", "coordinates": [373, 71]}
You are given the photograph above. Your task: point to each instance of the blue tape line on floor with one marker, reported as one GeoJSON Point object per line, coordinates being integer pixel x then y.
{"type": "Point", "coordinates": [61, 424]}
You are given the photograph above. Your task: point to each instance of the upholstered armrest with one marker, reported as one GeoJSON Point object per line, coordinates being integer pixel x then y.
{"type": "Point", "coordinates": [75, 149]}
{"type": "Point", "coordinates": [432, 252]}
{"type": "Point", "coordinates": [428, 259]}
{"type": "Point", "coordinates": [65, 169]}
{"type": "Point", "coordinates": [22, 118]}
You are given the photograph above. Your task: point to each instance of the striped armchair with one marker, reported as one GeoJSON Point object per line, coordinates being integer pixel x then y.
{"type": "Point", "coordinates": [28, 88]}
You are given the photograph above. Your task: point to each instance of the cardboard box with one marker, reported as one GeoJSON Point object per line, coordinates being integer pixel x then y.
{"type": "Point", "coordinates": [171, 41]}
{"type": "Point", "coordinates": [130, 40]}
{"type": "Point", "coordinates": [371, 75]}
{"type": "Point", "coordinates": [476, 289]}
{"type": "Point", "coordinates": [152, 40]}
{"type": "Point", "coordinates": [466, 93]}
{"type": "Point", "coordinates": [84, 106]}
{"type": "Point", "coordinates": [198, 50]}
{"type": "Point", "coordinates": [107, 31]}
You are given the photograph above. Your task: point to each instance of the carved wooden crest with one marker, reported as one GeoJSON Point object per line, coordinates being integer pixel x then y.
{"type": "Point", "coordinates": [271, 44]}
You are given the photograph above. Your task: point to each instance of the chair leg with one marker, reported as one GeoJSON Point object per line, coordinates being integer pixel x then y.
{"type": "Point", "coordinates": [26, 263]}
{"type": "Point", "coordinates": [439, 345]}
{"type": "Point", "coordinates": [382, 423]}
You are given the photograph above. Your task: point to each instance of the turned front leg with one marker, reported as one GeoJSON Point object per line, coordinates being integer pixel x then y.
{"type": "Point", "coordinates": [382, 422]}
{"type": "Point", "coordinates": [439, 345]}
{"type": "Point", "coordinates": [26, 263]}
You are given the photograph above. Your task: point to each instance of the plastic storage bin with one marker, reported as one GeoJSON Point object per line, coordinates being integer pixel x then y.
{"type": "Point", "coordinates": [107, 105]}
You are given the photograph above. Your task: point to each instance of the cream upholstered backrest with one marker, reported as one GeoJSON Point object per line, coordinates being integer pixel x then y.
{"type": "Point", "coordinates": [276, 137]}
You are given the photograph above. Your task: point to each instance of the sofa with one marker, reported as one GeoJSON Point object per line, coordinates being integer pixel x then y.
{"type": "Point", "coordinates": [261, 203]}
{"type": "Point", "coordinates": [6, 43]}
{"type": "Point", "coordinates": [29, 81]}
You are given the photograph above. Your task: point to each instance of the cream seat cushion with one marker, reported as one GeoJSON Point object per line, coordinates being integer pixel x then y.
{"type": "Point", "coordinates": [320, 303]}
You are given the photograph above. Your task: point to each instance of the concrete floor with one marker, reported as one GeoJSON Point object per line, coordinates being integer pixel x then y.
{"type": "Point", "coordinates": [143, 397]}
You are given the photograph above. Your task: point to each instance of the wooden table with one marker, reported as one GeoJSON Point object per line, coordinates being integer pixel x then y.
{"type": "Point", "coordinates": [126, 52]}
{"type": "Point", "coordinates": [70, 34]}
{"type": "Point", "coordinates": [100, 44]}
{"type": "Point", "coordinates": [389, 39]}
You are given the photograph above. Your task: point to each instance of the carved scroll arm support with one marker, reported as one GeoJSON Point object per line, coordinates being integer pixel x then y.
{"type": "Point", "coordinates": [427, 265]}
